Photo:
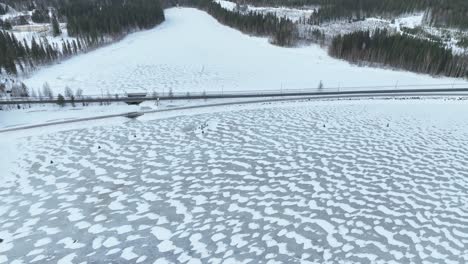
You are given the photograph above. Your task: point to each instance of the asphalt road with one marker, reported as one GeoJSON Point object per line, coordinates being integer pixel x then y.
{"type": "Point", "coordinates": [312, 96]}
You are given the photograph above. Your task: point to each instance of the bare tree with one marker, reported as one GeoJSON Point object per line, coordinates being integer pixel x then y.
{"type": "Point", "coordinates": [79, 93]}
{"type": "Point", "coordinates": [108, 97]}
{"type": "Point", "coordinates": [320, 86]}
{"type": "Point", "coordinates": [171, 93]}
{"type": "Point", "coordinates": [46, 91]}
{"type": "Point", "coordinates": [39, 94]}
{"type": "Point", "coordinates": [33, 93]}
{"type": "Point", "coordinates": [68, 92]}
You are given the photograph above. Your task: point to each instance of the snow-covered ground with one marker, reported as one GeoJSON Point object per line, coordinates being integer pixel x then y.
{"type": "Point", "coordinates": [47, 114]}
{"type": "Point", "coordinates": [308, 182]}
{"type": "Point", "coordinates": [192, 52]}
{"type": "Point", "coordinates": [40, 114]}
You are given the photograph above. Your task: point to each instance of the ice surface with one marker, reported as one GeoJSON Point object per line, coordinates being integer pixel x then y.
{"type": "Point", "coordinates": [383, 181]}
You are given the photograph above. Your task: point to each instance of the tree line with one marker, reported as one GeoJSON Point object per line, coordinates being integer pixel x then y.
{"type": "Point", "coordinates": [92, 22]}
{"type": "Point", "coordinates": [400, 51]}
{"type": "Point", "coordinates": [449, 13]}
{"type": "Point", "coordinates": [97, 18]}
{"type": "Point", "coordinates": [441, 13]}
{"type": "Point", "coordinates": [355, 10]}
{"type": "Point", "coordinates": [18, 56]}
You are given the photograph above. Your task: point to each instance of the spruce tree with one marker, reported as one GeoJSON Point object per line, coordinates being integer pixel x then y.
{"type": "Point", "coordinates": [60, 100]}
{"type": "Point", "coordinates": [55, 26]}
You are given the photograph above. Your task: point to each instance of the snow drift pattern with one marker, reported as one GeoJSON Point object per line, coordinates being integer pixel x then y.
{"type": "Point", "coordinates": [299, 184]}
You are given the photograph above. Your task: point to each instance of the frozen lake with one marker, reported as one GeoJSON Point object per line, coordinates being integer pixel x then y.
{"type": "Point", "coordinates": [311, 182]}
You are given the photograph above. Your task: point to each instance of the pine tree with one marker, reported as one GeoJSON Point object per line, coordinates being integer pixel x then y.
{"type": "Point", "coordinates": [3, 9]}
{"type": "Point", "coordinates": [171, 93]}
{"type": "Point", "coordinates": [46, 91]}
{"type": "Point", "coordinates": [60, 100]}
{"type": "Point", "coordinates": [79, 93]}
{"type": "Point", "coordinates": [33, 93]}
{"type": "Point", "coordinates": [55, 26]}
{"type": "Point", "coordinates": [68, 92]}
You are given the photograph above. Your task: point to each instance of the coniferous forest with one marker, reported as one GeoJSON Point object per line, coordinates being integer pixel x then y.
{"type": "Point", "coordinates": [18, 55]}
{"type": "Point", "coordinates": [450, 13]}
{"type": "Point", "coordinates": [90, 21]}
{"type": "Point", "coordinates": [94, 19]}
{"type": "Point", "coordinates": [399, 51]}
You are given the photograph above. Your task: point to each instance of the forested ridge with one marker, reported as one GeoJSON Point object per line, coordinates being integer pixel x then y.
{"type": "Point", "coordinates": [443, 13]}
{"type": "Point", "coordinates": [399, 51]}
{"type": "Point", "coordinates": [331, 10]}
{"type": "Point", "coordinates": [91, 22]}
{"type": "Point", "coordinates": [97, 18]}
{"type": "Point", "coordinates": [18, 55]}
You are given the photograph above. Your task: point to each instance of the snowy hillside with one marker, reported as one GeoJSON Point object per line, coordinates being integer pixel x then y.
{"type": "Point", "coordinates": [191, 51]}
{"type": "Point", "coordinates": [322, 182]}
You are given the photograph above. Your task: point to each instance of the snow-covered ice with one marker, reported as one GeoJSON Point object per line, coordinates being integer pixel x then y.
{"type": "Point", "coordinates": [192, 52]}
{"type": "Point", "coordinates": [358, 181]}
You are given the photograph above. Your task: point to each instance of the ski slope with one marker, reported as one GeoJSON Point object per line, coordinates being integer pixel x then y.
{"type": "Point", "coordinates": [191, 52]}
{"type": "Point", "coordinates": [378, 181]}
